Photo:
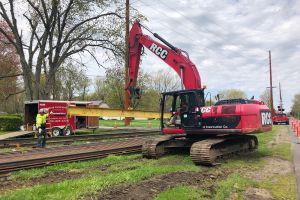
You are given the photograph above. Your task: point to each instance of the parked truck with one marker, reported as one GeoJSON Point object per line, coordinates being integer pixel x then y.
{"type": "Point", "coordinates": [280, 117]}
{"type": "Point", "coordinates": [58, 123]}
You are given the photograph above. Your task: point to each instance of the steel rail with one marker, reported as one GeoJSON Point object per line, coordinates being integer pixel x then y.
{"type": "Point", "coordinates": [14, 162]}
{"type": "Point", "coordinates": [74, 138]}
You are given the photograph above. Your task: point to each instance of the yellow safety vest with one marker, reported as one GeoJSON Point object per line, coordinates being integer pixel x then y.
{"type": "Point", "coordinates": [41, 119]}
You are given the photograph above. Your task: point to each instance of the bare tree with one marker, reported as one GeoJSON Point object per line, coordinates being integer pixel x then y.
{"type": "Point", "coordinates": [59, 30]}
{"type": "Point", "coordinates": [232, 94]}
{"type": "Point", "coordinates": [71, 82]}
{"type": "Point", "coordinates": [83, 87]}
{"type": "Point", "coordinates": [265, 97]}
{"type": "Point", "coordinates": [11, 90]}
{"type": "Point", "coordinates": [165, 80]}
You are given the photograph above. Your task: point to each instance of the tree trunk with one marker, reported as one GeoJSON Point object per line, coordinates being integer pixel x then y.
{"type": "Point", "coordinates": [27, 76]}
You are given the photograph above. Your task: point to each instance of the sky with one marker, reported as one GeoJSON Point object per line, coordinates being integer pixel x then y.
{"type": "Point", "coordinates": [229, 41]}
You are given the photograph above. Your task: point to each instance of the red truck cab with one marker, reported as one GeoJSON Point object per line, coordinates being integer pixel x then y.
{"type": "Point", "coordinates": [280, 118]}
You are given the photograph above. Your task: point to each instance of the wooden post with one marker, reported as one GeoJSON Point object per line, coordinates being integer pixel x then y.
{"type": "Point", "coordinates": [126, 97]}
{"type": "Point", "coordinates": [271, 86]}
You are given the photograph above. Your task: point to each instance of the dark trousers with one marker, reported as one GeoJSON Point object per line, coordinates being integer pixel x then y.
{"type": "Point", "coordinates": [41, 137]}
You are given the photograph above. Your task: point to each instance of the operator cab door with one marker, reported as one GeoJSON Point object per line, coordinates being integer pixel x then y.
{"type": "Point", "coordinates": [185, 108]}
{"type": "Point", "coordinates": [190, 104]}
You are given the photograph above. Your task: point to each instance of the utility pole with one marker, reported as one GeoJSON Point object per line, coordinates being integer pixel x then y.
{"type": "Point", "coordinates": [280, 103]}
{"type": "Point", "coordinates": [126, 95]}
{"type": "Point", "coordinates": [271, 86]}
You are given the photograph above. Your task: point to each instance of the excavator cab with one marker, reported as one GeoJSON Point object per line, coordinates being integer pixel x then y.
{"type": "Point", "coordinates": [185, 107]}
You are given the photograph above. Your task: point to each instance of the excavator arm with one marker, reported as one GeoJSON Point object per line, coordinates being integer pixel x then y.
{"type": "Point", "coordinates": [174, 57]}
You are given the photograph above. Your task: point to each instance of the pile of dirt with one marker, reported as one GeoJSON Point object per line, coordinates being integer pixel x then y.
{"type": "Point", "coordinates": [148, 189]}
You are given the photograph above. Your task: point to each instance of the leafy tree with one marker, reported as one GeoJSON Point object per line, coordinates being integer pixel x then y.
{"type": "Point", "coordinates": [296, 105]}
{"type": "Point", "coordinates": [111, 89]}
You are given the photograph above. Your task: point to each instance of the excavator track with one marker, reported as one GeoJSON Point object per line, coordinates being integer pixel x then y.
{"type": "Point", "coordinates": [209, 151]}
{"type": "Point", "coordinates": [154, 148]}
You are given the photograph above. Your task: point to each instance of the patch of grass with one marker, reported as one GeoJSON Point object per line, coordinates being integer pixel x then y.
{"type": "Point", "coordinates": [4, 150]}
{"type": "Point", "coordinates": [255, 159]}
{"type": "Point", "coordinates": [283, 151]}
{"type": "Point", "coordinates": [134, 123]}
{"type": "Point", "coordinates": [24, 175]}
{"type": "Point", "coordinates": [280, 150]}
{"type": "Point", "coordinates": [182, 192]}
{"type": "Point", "coordinates": [90, 184]}
{"type": "Point", "coordinates": [281, 187]}
{"type": "Point", "coordinates": [3, 132]}
{"type": "Point", "coordinates": [235, 183]}
{"type": "Point", "coordinates": [264, 138]}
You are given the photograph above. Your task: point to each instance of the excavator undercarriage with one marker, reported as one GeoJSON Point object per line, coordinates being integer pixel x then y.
{"type": "Point", "coordinates": [203, 151]}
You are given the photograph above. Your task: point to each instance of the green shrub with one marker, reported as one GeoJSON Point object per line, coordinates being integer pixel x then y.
{"type": "Point", "coordinates": [10, 122]}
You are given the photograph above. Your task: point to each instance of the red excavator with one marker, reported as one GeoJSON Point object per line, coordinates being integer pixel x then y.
{"type": "Point", "coordinates": [209, 132]}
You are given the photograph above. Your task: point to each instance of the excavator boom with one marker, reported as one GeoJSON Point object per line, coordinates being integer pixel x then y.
{"type": "Point", "coordinates": [169, 54]}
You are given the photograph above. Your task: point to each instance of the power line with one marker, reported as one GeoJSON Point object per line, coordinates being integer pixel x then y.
{"type": "Point", "coordinates": [164, 23]}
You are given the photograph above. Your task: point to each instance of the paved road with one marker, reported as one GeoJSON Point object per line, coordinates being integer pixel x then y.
{"type": "Point", "coordinates": [15, 134]}
{"type": "Point", "coordinates": [296, 158]}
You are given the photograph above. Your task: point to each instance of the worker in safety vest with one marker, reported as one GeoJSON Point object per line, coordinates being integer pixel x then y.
{"type": "Point", "coordinates": [41, 119]}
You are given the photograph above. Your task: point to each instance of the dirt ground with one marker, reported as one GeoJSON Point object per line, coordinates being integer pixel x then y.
{"type": "Point", "coordinates": [274, 166]}
{"type": "Point", "coordinates": [48, 178]}
{"type": "Point", "coordinates": [147, 189]}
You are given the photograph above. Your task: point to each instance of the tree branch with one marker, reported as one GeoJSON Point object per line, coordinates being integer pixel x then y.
{"type": "Point", "coordinates": [93, 56]}
{"type": "Point", "coordinates": [11, 75]}
{"type": "Point", "coordinates": [11, 94]}
{"type": "Point", "coordinates": [87, 20]}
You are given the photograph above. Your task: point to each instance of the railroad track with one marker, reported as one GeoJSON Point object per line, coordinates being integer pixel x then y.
{"type": "Point", "coordinates": [14, 161]}
{"type": "Point", "coordinates": [75, 138]}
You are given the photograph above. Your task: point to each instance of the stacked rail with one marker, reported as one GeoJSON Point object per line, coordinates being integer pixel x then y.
{"type": "Point", "coordinates": [41, 157]}
{"type": "Point", "coordinates": [76, 138]}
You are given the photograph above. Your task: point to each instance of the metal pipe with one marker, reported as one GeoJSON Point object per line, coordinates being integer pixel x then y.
{"type": "Point", "coordinates": [181, 76]}
{"type": "Point", "coordinates": [165, 41]}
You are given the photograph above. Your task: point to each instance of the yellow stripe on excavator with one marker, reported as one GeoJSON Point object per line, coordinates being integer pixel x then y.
{"type": "Point", "coordinates": [107, 112]}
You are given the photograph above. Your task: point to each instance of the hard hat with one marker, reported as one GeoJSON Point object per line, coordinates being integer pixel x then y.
{"type": "Point", "coordinates": [45, 110]}
{"type": "Point", "coordinates": [41, 110]}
